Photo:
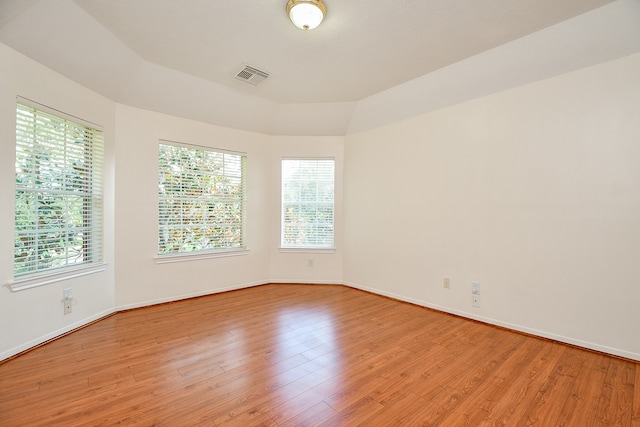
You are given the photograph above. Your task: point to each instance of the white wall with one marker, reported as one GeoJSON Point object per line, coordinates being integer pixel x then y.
{"type": "Point", "coordinates": [140, 281]}
{"type": "Point", "coordinates": [31, 316]}
{"type": "Point", "coordinates": [533, 192]}
{"type": "Point", "coordinates": [293, 267]}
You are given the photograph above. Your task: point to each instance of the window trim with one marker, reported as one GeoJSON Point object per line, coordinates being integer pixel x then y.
{"type": "Point", "coordinates": [308, 248]}
{"type": "Point", "coordinates": [34, 281]}
{"type": "Point", "coordinates": [195, 256]}
{"type": "Point", "coordinates": [170, 257]}
{"type": "Point", "coordinates": [44, 277]}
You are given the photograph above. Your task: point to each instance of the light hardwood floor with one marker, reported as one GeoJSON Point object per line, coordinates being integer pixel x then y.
{"type": "Point", "coordinates": [303, 355]}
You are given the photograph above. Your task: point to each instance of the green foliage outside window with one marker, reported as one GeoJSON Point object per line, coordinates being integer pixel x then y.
{"type": "Point", "coordinates": [201, 200]}
{"type": "Point", "coordinates": [307, 203]}
{"type": "Point", "coordinates": [58, 193]}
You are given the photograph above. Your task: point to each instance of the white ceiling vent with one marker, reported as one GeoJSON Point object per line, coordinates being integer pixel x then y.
{"type": "Point", "coordinates": [251, 75]}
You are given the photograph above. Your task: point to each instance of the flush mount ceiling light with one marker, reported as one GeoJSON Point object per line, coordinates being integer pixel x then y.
{"type": "Point", "coordinates": [306, 14]}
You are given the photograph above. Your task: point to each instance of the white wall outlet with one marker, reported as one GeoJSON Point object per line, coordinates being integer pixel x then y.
{"type": "Point", "coordinates": [67, 300]}
{"type": "Point", "coordinates": [475, 288]}
{"type": "Point", "coordinates": [475, 295]}
{"type": "Point", "coordinates": [475, 301]}
{"type": "Point", "coordinates": [310, 262]}
{"type": "Point", "coordinates": [67, 305]}
{"type": "Point", "coordinates": [446, 283]}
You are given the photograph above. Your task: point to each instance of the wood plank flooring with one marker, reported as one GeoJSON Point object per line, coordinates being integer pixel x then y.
{"type": "Point", "coordinates": [311, 355]}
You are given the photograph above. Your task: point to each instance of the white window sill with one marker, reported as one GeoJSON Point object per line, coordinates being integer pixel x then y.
{"type": "Point", "coordinates": [164, 259]}
{"type": "Point", "coordinates": [308, 250]}
{"type": "Point", "coordinates": [48, 278]}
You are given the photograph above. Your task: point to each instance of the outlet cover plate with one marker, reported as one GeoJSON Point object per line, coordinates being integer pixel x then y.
{"type": "Point", "coordinates": [67, 306]}
{"type": "Point", "coordinates": [475, 288]}
{"type": "Point", "coordinates": [475, 301]}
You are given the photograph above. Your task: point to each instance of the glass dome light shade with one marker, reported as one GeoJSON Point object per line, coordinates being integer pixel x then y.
{"type": "Point", "coordinates": [306, 14]}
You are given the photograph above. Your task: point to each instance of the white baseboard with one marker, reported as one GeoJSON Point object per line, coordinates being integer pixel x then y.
{"type": "Point", "coordinates": [305, 282]}
{"type": "Point", "coordinates": [491, 321]}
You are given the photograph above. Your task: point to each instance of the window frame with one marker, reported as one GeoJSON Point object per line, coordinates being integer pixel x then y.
{"type": "Point", "coordinates": [288, 248]}
{"type": "Point", "coordinates": [212, 252]}
{"type": "Point", "coordinates": [91, 194]}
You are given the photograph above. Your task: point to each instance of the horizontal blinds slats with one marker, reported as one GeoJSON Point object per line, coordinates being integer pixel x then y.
{"type": "Point", "coordinates": [58, 216]}
{"type": "Point", "coordinates": [307, 203]}
{"type": "Point", "coordinates": [202, 199]}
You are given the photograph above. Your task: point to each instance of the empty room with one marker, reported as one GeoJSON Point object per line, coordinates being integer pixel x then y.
{"type": "Point", "coordinates": [320, 213]}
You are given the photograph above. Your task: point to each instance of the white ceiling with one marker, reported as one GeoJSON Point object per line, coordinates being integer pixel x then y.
{"type": "Point", "coordinates": [127, 49]}
{"type": "Point", "coordinates": [363, 46]}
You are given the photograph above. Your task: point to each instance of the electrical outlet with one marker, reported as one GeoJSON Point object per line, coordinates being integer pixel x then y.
{"type": "Point", "coordinates": [67, 300]}
{"type": "Point", "coordinates": [67, 305]}
{"type": "Point", "coordinates": [475, 295]}
{"type": "Point", "coordinates": [475, 301]}
{"type": "Point", "coordinates": [475, 288]}
{"type": "Point", "coordinates": [446, 283]}
{"type": "Point", "coordinates": [310, 262]}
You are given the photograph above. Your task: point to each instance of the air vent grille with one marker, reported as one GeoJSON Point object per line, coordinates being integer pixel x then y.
{"type": "Point", "coordinates": [251, 75]}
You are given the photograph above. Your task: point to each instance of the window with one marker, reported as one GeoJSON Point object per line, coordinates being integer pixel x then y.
{"type": "Point", "coordinates": [58, 213]}
{"type": "Point", "coordinates": [202, 200]}
{"type": "Point", "coordinates": [307, 203]}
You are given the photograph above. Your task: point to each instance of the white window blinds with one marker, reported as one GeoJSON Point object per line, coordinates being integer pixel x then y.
{"type": "Point", "coordinates": [58, 213]}
{"type": "Point", "coordinates": [202, 199]}
{"type": "Point", "coordinates": [307, 203]}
